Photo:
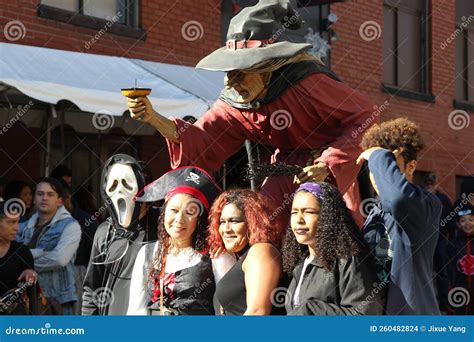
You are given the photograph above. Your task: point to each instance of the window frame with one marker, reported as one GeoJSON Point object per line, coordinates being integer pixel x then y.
{"type": "Point", "coordinates": [129, 29]}
{"type": "Point", "coordinates": [464, 103]}
{"type": "Point", "coordinates": [424, 93]}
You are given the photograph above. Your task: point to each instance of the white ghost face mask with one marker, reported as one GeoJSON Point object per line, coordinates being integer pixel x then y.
{"type": "Point", "coordinates": [121, 188]}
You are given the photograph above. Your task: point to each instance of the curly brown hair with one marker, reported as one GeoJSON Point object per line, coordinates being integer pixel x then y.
{"type": "Point", "coordinates": [395, 134]}
{"type": "Point", "coordinates": [337, 235]}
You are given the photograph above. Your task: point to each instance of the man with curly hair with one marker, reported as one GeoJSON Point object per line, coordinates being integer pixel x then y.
{"type": "Point", "coordinates": [402, 227]}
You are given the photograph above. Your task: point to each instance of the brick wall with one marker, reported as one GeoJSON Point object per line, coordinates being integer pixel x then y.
{"type": "Point", "coordinates": [449, 152]}
{"type": "Point", "coordinates": [164, 43]}
{"type": "Point", "coordinates": [162, 21]}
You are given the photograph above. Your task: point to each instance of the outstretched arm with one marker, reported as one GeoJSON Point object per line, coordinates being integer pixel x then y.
{"type": "Point", "coordinates": [141, 109]}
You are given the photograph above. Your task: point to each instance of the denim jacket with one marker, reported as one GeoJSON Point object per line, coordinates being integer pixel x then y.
{"type": "Point", "coordinates": [54, 254]}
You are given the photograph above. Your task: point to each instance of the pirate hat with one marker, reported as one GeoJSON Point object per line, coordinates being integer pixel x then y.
{"type": "Point", "coordinates": [189, 180]}
{"type": "Point", "coordinates": [252, 37]}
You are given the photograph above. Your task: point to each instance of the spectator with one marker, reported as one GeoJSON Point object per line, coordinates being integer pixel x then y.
{"type": "Point", "coordinates": [461, 254]}
{"type": "Point", "coordinates": [53, 237]}
{"type": "Point", "coordinates": [88, 228]}
{"type": "Point", "coordinates": [24, 192]}
{"type": "Point", "coordinates": [16, 261]}
{"type": "Point", "coordinates": [441, 252]}
{"type": "Point", "coordinates": [62, 172]}
{"type": "Point", "coordinates": [402, 227]}
{"type": "Point", "coordinates": [334, 273]}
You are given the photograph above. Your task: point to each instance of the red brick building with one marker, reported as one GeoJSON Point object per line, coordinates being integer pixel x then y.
{"type": "Point", "coordinates": [157, 32]}
{"type": "Point", "coordinates": [408, 56]}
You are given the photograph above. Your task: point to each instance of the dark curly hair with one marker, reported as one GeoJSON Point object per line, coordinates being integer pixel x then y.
{"type": "Point", "coordinates": [260, 216]}
{"type": "Point", "coordinates": [394, 134]}
{"type": "Point", "coordinates": [199, 242]}
{"type": "Point", "coordinates": [337, 235]}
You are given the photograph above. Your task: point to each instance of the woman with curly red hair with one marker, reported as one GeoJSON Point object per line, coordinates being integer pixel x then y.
{"type": "Point", "coordinates": [244, 223]}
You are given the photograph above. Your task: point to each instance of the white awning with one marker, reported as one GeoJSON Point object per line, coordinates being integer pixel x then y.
{"type": "Point", "coordinates": [203, 83]}
{"type": "Point", "coordinates": [93, 82]}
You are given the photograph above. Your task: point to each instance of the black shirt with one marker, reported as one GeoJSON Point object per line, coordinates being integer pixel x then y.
{"type": "Point", "coordinates": [88, 228]}
{"type": "Point", "coordinates": [110, 269]}
{"type": "Point", "coordinates": [17, 259]}
{"type": "Point", "coordinates": [231, 293]}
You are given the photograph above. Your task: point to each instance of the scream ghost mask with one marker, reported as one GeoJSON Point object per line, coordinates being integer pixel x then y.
{"type": "Point", "coordinates": [121, 188]}
{"type": "Point", "coordinates": [122, 178]}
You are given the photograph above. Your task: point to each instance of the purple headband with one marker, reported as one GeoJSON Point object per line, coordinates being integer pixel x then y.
{"type": "Point", "coordinates": [313, 188]}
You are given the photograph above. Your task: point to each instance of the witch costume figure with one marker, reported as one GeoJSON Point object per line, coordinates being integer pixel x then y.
{"type": "Point", "coordinates": [175, 275]}
{"type": "Point", "coordinates": [118, 239]}
{"type": "Point", "coordinates": [276, 94]}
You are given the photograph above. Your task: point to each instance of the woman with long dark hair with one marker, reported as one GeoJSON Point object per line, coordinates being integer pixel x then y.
{"type": "Point", "coordinates": [23, 191]}
{"type": "Point", "coordinates": [332, 267]}
{"type": "Point", "coordinates": [244, 223]}
{"type": "Point", "coordinates": [174, 276]}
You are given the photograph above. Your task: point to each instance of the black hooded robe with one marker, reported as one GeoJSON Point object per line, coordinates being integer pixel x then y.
{"type": "Point", "coordinates": [114, 250]}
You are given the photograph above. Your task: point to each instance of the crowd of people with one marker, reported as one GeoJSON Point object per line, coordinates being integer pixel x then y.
{"type": "Point", "coordinates": [300, 245]}
{"type": "Point", "coordinates": [182, 246]}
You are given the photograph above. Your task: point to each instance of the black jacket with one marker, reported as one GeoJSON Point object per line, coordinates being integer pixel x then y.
{"type": "Point", "coordinates": [347, 290]}
{"type": "Point", "coordinates": [114, 250]}
{"type": "Point", "coordinates": [88, 228]}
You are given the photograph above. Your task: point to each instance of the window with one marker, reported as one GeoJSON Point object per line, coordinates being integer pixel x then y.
{"type": "Point", "coordinates": [464, 38]}
{"type": "Point", "coordinates": [405, 48]}
{"type": "Point", "coordinates": [313, 12]}
{"type": "Point", "coordinates": [123, 14]}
